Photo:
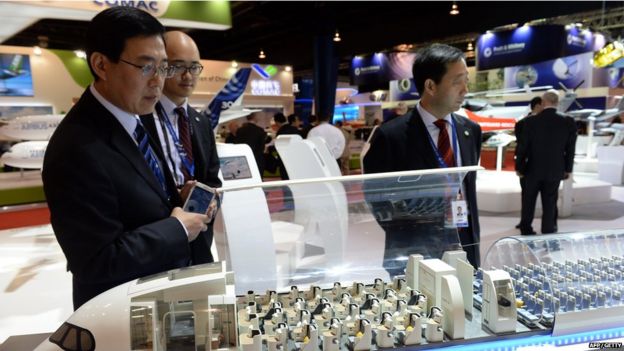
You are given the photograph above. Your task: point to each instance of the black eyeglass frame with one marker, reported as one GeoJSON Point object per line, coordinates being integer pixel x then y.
{"type": "Point", "coordinates": [181, 70]}
{"type": "Point", "coordinates": [149, 70]}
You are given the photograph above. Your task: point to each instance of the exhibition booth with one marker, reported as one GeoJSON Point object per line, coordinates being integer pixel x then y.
{"type": "Point", "coordinates": [311, 263]}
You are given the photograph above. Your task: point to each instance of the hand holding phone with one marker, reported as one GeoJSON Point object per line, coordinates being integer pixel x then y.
{"type": "Point", "coordinates": [203, 200]}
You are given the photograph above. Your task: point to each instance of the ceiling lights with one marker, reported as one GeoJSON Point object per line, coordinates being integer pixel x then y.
{"type": "Point", "coordinates": [469, 47]}
{"type": "Point", "coordinates": [80, 54]}
{"type": "Point", "coordinates": [234, 64]}
{"type": "Point", "coordinates": [261, 55]}
{"type": "Point", "coordinates": [454, 9]}
{"type": "Point", "coordinates": [337, 36]}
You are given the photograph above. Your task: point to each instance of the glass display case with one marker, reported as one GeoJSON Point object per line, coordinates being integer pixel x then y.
{"type": "Point", "coordinates": [278, 234]}
{"type": "Point", "coordinates": [573, 281]}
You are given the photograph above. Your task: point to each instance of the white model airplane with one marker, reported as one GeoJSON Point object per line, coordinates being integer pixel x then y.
{"type": "Point", "coordinates": [27, 155]}
{"type": "Point", "coordinates": [500, 139]}
{"type": "Point", "coordinates": [36, 127]}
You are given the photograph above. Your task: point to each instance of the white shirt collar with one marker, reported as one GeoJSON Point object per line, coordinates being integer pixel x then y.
{"type": "Point", "coordinates": [428, 118]}
{"type": "Point", "coordinates": [170, 106]}
{"type": "Point", "coordinates": [127, 120]}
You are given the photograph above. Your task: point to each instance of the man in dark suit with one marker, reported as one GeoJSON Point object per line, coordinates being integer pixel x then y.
{"type": "Point", "coordinates": [254, 136]}
{"type": "Point", "coordinates": [536, 107]}
{"type": "Point", "coordinates": [178, 127]}
{"type": "Point", "coordinates": [545, 156]}
{"type": "Point", "coordinates": [113, 206]}
{"type": "Point", "coordinates": [284, 128]}
{"type": "Point", "coordinates": [408, 142]}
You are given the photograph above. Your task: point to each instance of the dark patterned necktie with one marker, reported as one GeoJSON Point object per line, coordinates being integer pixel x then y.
{"type": "Point", "coordinates": [444, 143]}
{"type": "Point", "coordinates": [185, 139]}
{"type": "Point", "coordinates": [148, 154]}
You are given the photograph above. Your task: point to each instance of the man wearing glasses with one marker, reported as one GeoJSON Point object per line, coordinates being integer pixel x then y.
{"type": "Point", "coordinates": [185, 137]}
{"type": "Point", "coordinates": [114, 205]}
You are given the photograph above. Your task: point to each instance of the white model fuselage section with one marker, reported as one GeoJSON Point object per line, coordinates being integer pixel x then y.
{"type": "Point", "coordinates": [38, 127]}
{"type": "Point", "coordinates": [28, 154]}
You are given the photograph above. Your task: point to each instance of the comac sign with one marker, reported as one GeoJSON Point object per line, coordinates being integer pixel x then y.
{"type": "Point", "coordinates": [149, 6]}
{"type": "Point", "coordinates": [265, 86]}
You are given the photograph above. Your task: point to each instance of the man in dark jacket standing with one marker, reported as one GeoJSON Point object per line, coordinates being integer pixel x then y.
{"type": "Point", "coordinates": [545, 156]}
{"type": "Point", "coordinates": [422, 140]}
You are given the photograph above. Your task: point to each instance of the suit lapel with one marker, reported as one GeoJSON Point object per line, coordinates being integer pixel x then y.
{"type": "Point", "coordinates": [418, 141]}
{"type": "Point", "coordinates": [149, 122]}
{"type": "Point", "coordinates": [125, 144]}
{"type": "Point", "coordinates": [464, 140]}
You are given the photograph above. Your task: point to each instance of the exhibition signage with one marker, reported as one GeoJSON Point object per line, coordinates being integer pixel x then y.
{"type": "Point", "coordinates": [569, 70]}
{"type": "Point", "coordinates": [531, 44]}
{"type": "Point", "coordinates": [381, 68]}
{"type": "Point", "coordinates": [214, 15]}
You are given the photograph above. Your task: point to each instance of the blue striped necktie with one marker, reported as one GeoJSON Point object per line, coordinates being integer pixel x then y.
{"type": "Point", "coordinates": [148, 153]}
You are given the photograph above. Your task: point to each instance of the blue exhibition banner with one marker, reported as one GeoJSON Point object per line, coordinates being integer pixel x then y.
{"type": "Point", "coordinates": [531, 44]}
{"type": "Point", "coordinates": [380, 68]}
{"type": "Point", "coordinates": [569, 70]}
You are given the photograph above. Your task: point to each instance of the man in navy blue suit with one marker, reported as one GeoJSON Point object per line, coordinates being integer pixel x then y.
{"type": "Point", "coordinates": [421, 140]}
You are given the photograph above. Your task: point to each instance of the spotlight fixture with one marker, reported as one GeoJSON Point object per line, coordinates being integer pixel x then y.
{"type": "Point", "coordinates": [261, 55]}
{"type": "Point", "coordinates": [234, 64]}
{"type": "Point", "coordinates": [337, 37]}
{"type": "Point", "coordinates": [454, 9]}
{"type": "Point", "coordinates": [80, 54]}
{"type": "Point", "coordinates": [37, 50]}
{"type": "Point", "coordinates": [287, 68]}
{"type": "Point", "coordinates": [469, 47]}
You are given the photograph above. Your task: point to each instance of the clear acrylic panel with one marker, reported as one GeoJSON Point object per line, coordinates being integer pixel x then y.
{"type": "Point", "coordinates": [559, 273]}
{"type": "Point", "coordinates": [320, 231]}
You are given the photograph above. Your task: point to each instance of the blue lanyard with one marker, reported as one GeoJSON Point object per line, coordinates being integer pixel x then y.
{"type": "Point", "coordinates": [190, 167]}
{"type": "Point", "coordinates": [441, 162]}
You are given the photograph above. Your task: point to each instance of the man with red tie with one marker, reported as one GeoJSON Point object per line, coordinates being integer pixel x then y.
{"type": "Point", "coordinates": [432, 136]}
{"type": "Point", "coordinates": [186, 139]}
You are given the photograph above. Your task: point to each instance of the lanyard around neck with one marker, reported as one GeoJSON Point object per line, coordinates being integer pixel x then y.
{"type": "Point", "coordinates": [190, 167]}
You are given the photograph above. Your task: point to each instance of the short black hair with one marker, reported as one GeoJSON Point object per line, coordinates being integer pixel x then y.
{"type": "Point", "coordinates": [108, 31]}
{"type": "Point", "coordinates": [292, 118]}
{"type": "Point", "coordinates": [535, 101]}
{"type": "Point", "coordinates": [431, 63]}
{"type": "Point", "coordinates": [279, 118]}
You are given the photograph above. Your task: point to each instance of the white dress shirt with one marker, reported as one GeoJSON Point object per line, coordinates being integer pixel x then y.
{"type": "Point", "coordinates": [174, 162]}
{"type": "Point", "coordinates": [434, 131]}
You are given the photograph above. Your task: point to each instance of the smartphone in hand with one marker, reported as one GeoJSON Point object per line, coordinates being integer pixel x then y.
{"type": "Point", "coordinates": [203, 199]}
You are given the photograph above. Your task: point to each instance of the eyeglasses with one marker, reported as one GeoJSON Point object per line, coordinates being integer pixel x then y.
{"type": "Point", "coordinates": [149, 70]}
{"type": "Point", "coordinates": [194, 69]}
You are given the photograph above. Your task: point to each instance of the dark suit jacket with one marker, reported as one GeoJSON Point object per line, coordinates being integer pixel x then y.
{"type": "Point", "coordinates": [108, 211]}
{"type": "Point", "coordinates": [403, 144]}
{"type": "Point", "coordinates": [518, 132]}
{"type": "Point", "coordinates": [255, 137]}
{"type": "Point", "coordinates": [206, 168]}
{"type": "Point", "coordinates": [546, 147]}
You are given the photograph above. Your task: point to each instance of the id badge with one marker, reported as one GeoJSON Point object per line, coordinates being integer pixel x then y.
{"type": "Point", "coordinates": [460, 213]}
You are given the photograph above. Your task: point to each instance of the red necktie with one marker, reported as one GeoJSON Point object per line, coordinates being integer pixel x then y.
{"type": "Point", "coordinates": [185, 138]}
{"type": "Point", "coordinates": [444, 144]}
